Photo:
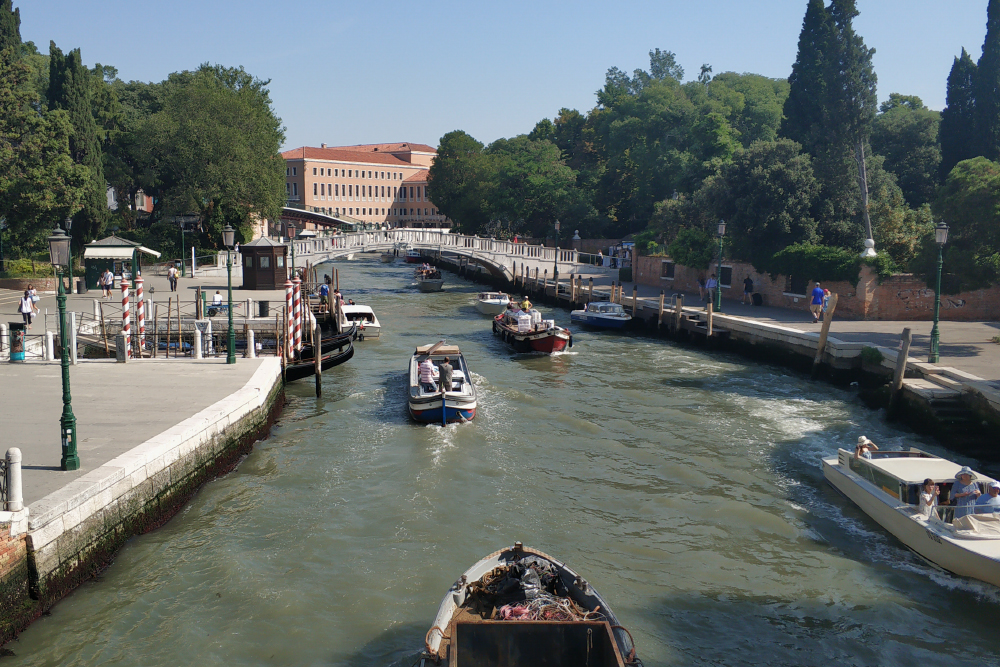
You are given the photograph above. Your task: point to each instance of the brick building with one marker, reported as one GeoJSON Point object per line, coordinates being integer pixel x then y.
{"type": "Point", "coordinates": [372, 183]}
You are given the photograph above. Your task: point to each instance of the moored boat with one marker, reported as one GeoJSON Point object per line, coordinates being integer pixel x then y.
{"type": "Point", "coordinates": [413, 257]}
{"type": "Point", "coordinates": [603, 314]}
{"type": "Point", "coordinates": [387, 258]}
{"type": "Point", "coordinates": [335, 351]}
{"type": "Point", "coordinates": [363, 317]}
{"type": "Point", "coordinates": [520, 606]}
{"type": "Point", "coordinates": [492, 303]}
{"type": "Point", "coordinates": [887, 488]}
{"type": "Point", "coordinates": [526, 331]}
{"type": "Point", "coordinates": [426, 403]}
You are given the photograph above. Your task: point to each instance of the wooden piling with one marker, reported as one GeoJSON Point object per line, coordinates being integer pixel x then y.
{"type": "Point", "coordinates": [318, 356]}
{"type": "Point", "coordinates": [635, 301]}
{"type": "Point", "coordinates": [156, 328]}
{"type": "Point", "coordinates": [572, 289]}
{"type": "Point", "coordinates": [659, 315]}
{"type": "Point", "coordinates": [708, 311]}
{"type": "Point", "coordinates": [590, 290]}
{"type": "Point", "coordinates": [824, 332]}
{"type": "Point", "coordinates": [104, 331]}
{"type": "Point", "coordinates": [678, 312]}
{"type": "Point", "coordinates": [897, 378]}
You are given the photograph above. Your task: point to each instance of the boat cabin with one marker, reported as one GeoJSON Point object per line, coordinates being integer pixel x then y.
{"type": "Point", "coordinates": [492, 296]}
{"type": "Point", "coordinates": [901, 474]}
{"type": "Point", "coordinates": [607, 308]}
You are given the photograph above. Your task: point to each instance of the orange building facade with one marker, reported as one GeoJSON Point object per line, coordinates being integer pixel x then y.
{"type": "Point", "coordinates": [371, 183]}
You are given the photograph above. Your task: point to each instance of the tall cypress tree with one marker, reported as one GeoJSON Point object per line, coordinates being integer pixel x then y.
{"type": "Point", "coordinates": [10, 25]}
{"type": "Point", "coordinates": [986, 85]}
{"type": "Point", "coordinates": [70, 89]}
{"type": "Point", "coordinates": [804, 107]}
{"type": "Point", "coordinates": [958, 120]}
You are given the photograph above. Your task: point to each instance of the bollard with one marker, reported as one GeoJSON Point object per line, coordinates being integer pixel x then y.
{"type": "Point", "coordinates": [50, 346]}
{"type": "Point", "coordinates": [15, 499]}
{"type": "Point", "coordinates": [251, 345]}
{"type": "Point", "coordinates": [97, 309]}
{"type": "Point", "coordinates": [72, 338]}
{"type": "Point", "coordinates": [140, 314]}
{"type": "Point", "coordinates": [126, 322]}
{"type": "Point", "coordinates": [249, 309]}
{"type": "Point", "coordinates": [297, 311]}
{"type": "Point", "coordinates": [197, 343]}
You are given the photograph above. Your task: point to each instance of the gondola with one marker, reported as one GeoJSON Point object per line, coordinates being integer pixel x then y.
{"type": "Point", "coordinates": [336, 350]}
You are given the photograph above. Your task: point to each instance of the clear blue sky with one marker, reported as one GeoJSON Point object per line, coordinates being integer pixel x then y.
{"type": "Point", "coordinates": [366, 72]}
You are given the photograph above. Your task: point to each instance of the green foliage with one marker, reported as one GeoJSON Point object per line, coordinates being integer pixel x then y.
{"type": "Point", "coordinates": [458, 179]}
{"type": "Point", "coordinates": [814, 262]}
{"type": "Point", "coordinates": [986, 87]}
{"type": "Point", "coordinates": [10, 25]}
{"type": "Point", "coordinates": [27, 268]}
{"type": "Point", "coordinates": [906, 134]}
{"type": "Point", "coordinates": [958, 120]}
{"type": "Point", "coordinates": [883, 265]}
{"type": "Point", "coordinates": [695, 248]}
{"type": "Point", "coordinates": [870, 356]}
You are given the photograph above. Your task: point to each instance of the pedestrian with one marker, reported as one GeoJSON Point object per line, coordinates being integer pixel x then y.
{"type": "Point", "coordinates": [964, 492]}
{"type": "Point", "coordinates": [217, 299]}
{"type": "Point", "coordinates": [711, 285]}
{"type": "Point", "coordinates": [27, 308]}
{"type": "Point", "coordinates": [701, 287]}
{"type": "Point", "coordinates": [747, 291]}
{"type": "Point", "coordinates": [446, 371]}
{"type": "Point", "coordinates": [324, 298]}
{"type": "Point", "coordinates": [826, 301]}
{"type": "Point", "coordinates": [600, 258]}
{"type": "Point", "coordinates": [816, 303]}
{"type": "Point", "coordinates": [172, 277]}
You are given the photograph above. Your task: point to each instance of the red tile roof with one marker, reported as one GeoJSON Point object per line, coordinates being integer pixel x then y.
{"type": "Point", "coordinates": [389, 148]}
{"type": "Point", "coordinates": [420, 176]}
{"type": "Point", "coordinates": [310, 153]}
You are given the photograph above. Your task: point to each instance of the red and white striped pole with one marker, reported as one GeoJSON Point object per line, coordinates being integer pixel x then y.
{"type": "Point", "coordinates": [140, 313]}
{"type": "Point", "coordinates": [126, 324]}
{"type": "Point", "coordinates": [290, 312]}
{"type": "Point", "coordinates": [297, 315]}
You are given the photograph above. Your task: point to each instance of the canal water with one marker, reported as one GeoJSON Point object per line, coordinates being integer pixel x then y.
{"type": "Point", "coordinates": [685, 486]}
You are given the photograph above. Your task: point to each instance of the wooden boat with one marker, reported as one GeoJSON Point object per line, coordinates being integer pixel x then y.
{"type": "Point", "coordinates": [363, 317]}
{"type": "Point", "coordinates": [460, 399]}
{"type": "Point", "coordinates": [528, 332]}
{"type": "Point", "coordinates": [413, 257]}
{"type": "Point", "coordinates": [305, 366]}
{"type": "Point", "coordinates": [492, 303]}
{"type": "Point", "coordinates": [521, 607]}
{"type": "Point", "coordinates": [603, 314]}
{"type": "Point", "coordinates": [387, 258]}
{"type": "Point", "coordinates": [887, 488]}
{"type": "Point", "coordinates": [428, 280]}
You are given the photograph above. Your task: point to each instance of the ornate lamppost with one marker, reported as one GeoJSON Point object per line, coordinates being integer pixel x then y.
{"type": "Point", "coordinates": [718, 272]}
{"type": "Point", "coordinates": [59, 255]}
{"type": "Point", "coordinates": [941, 236]}
{"type": "Point", "coordinates": [228, 238]}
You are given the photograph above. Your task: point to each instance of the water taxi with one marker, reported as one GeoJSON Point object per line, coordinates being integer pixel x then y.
{"type": "Point", "coordinates": [413, 257]}
{"type": "Point", "coordinates": [363, 317]}
{"type": "Point", "coordinates": [428, 280]}
{"type": "Point", "coordinates": [526, 331]}
{"type": "Point", "coordinates": [492, 303]}
{"type": "Point", "coordinates": [387, 258]}
{"type": "Point", "coordinates": [887, 488]}
{"type": "Point", "coordinates": [428, 404]}
{"type": "Point", "coordinates": [518, 605]}
{"type": "Point", "coordinates": [603, 314]}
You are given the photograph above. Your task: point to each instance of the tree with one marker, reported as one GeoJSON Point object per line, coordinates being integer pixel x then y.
{"type": "Point", "coordinates": [10, 26]}
{"type": "Point", "coordinates": [804, 109]}
{"type": "Point", "coordinates": [986, 85]}
{"type": "Point", "coordinates": [958, 120]}
{"type": "Point", "coordinates": [458, 181]}
{"type": "Point", "coordinates": [693, 247]}
{"type": "Point", "coordinates": [905, 133]}
{"type": "Point", "coordinates": [70, 89]}
{"type": "Point", "coordinates": [752, 104]}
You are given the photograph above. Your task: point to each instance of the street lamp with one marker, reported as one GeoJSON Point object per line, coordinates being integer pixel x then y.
{"type": "Point", "coordinates": [941, 237]}
{"type": "Point", "coordinates": [182, 249]}
{"type": "Point", "coordinates": [59, 255]}
{"type": "Point", "coordinates": [228, 238]}
{"type": "Point", "coordinates": [69, 225]}
{"type": "Point", "coordinates": [718, 273]}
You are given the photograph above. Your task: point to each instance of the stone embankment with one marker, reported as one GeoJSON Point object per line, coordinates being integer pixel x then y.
{"type": "Point", "coordinates": [66, 537]}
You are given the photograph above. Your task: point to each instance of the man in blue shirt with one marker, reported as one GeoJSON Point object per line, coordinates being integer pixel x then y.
{"type": "Point", "coordinates": [816, 305]}
{"type": "Point", "coordinates": [324, 298]}
{"type": "Point", "coordinates": [991, 502]}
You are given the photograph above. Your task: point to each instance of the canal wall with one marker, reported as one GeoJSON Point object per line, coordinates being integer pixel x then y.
{"type": "Point", "coordinates": [70, 535]}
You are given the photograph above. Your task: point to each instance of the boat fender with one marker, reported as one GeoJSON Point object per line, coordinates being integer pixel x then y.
{"type": "Point", "coordinates": [571, 340]}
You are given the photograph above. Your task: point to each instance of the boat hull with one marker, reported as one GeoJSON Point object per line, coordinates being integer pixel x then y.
{"type": "Point", "coordinates": [432, 285]}
{"type": "Point", "coordinates": [431, 413]}
{"type": "Point", "coordinates": [387, 258]}
{"type": "Point", "coordinates": [303, 369]}
{"type": "Point", "coordinates": [547, 341]}
{"type": "Point", "coordinates": [414, 259]}
{"type": "Point", "coordinates": [929, 539]}
{"type": "Point", "coordinates": [599, 322]}
{"type": "Point", "coordinates": [487, 308]}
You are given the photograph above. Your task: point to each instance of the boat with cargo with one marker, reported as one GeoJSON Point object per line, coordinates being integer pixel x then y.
{"type": "Point", "coordinates": [426, 402]}
{"type": "Point", "coordinates": [526, 331]}
{"type": "Point", "coordinates": [887, 487]}
{"type": "Point", "coordinates": [602, 314]}
{"type": "Point", "coordinates": [520, 606]}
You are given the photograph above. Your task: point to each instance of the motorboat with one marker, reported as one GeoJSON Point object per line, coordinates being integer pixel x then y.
{"type": "Point", "coordinates": [887, 488]}
{"type": "Point", "coordinates": [492, 303]}
{"type": "Point", "coordinates": [363, 317]}
{"type": "Point", "coordinates": [387, 258]}
{"type": "Point", "coordinates": [335, 350]}
{"type": "Point", "coordinates": [413, 257]}
{"type": "Point", "coordinates": [519, 606]}
{"type": "Point", "coordinates": [457, 403]}
{"type": "Point", "coordinates": [428, 279]}
{"type": "Point", "coordinates": [603, 314]}
{"type": "Point", "coordinates": [526, 331]}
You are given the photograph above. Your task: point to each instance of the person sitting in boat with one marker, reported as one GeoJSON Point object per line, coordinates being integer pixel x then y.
{"type": "Point", "coordinates": [428, 372]}
{"type": "Point", "coordinates": [964, 492]}
{"type": "Point", "coordinates": [446, 372]}
{"type": "Point", "coordinates": [863, 450]}
{"type": "Point", "coordinates": [991, 501]}
{"type": "Point", "coordinates": [929, 498]}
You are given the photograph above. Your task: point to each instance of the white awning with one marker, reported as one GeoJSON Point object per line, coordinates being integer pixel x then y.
{"type": "Point", "coordinates": [110, 252]}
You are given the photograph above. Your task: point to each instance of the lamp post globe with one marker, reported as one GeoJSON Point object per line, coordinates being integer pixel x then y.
{"type": "Point", "coordinates": [941, 237]}
{"type": "Point", "coordinates": [228, 239]}
{"type": "Point", "coordinates": [718, 272]}
{"type": "Point", "coordinates": [59, 255]}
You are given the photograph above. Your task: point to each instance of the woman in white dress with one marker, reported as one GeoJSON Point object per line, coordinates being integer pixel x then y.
{"type": "Point", "coordinates": [929, 498]}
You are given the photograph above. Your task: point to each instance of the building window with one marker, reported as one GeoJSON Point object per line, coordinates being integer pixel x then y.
{"type": "Point", "coordinates": [411, 195]}
{"type": "Point", "coordinates": [726, 277]}
{"type": "Point", "coordinates": [322, 189]}
{"type": "Point", "coordinates": [288, 188]}
{"type": "Point", "coordinates": [411, 211]}
{"type": "Point", "coordinates": [369, 191]}
{"type": "Point", "coordinates": [336, 172]}
{"type": "Point", "coordinates": [286, 171]}
{"type": "Point", "coordinates": [295, 189]}
{"type": "Point", "coordinates": [279, 261]}
{"type": "Point", "coordinates": [351, 210]}
{"type": "Point", "coordinates": [795, 285]}
{"type": "Point", "coordinates": [350, 173]}
{"type": "Point", "coordinates": [350, 190]}
{"type": "Point", "coordinates": [314, 189]}
{"type": "Point", "coordinates": [248, 261]}
{"type": "Point", "coordinates": [314, 171]}
{"type": "Point", "coordinates": [667, 270]}
{"type": "Point", "coordinates": [265, 262]}
{"type": "Point", "coordinates": [293, 170]}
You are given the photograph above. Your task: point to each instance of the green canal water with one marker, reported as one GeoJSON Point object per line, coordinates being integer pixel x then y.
{"type": "Point", "coordinates": [686, 487]}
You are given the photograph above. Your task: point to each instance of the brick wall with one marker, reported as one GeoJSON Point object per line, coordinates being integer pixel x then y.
{"type": "Point", "coordinates": [901, 297]}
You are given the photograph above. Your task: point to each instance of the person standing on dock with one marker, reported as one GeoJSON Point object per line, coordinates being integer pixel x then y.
{"type": "Point", "coordinates": [747, 291]}
{"type": "Point", "coordinates": [816, 303]}
{"type": "Point", "coordinates": [324, 298]}
{"type": "Point", "coordinates": [446, 370]}
{"type": "Point", "coordinates": [710, 288]}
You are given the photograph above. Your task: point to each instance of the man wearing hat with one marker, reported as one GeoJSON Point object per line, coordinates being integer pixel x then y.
{"type": "Point", "coordinates": [964, 492]}
{"type": "Point", "coordinates": [991, 501]}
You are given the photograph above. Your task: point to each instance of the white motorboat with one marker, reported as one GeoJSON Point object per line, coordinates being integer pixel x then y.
{"type": "Point", "coordinates": [519, 606]}
{"type": "Point", "coordinates": [887, 488]}
{"type": "Point", "coordinates": [429, 405]}
{"type": "Point", "coordinates": [387, 258]}
{"type": "Point", "coordinates": [603, 314]}
{"type": "Point", "coordinates": [492, 303]}
{"type": "Point", "coordinates": [362, 316]}
{"type": "Point", "coordinates": [428, 280]}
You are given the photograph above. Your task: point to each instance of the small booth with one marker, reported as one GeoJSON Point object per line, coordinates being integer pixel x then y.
{"type": "Point", "coordinates": [264, 266]}
{"type": "Point", "coordinates": [120, 255]}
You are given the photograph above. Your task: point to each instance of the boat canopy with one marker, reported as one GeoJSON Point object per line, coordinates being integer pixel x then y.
{"type": "Point", "coordinates": [915, 469]}
{"type": "Point", "coordinates": [441, 349]}
{"type": "Point", "coordinates": [605, 307]}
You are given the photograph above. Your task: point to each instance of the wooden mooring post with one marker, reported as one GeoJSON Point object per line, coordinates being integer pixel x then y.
{"type": "Point", "coordinates": [897, 378]}
{"type": "Point", "coordinates": [572, 288]}
{"type": "Point", "coordinates": [318, 356]}
{"type": "Point", "coordinates": [635, 301]}
{"type": "Point", "coordinates": [659, 312]}
{"type": "Point", "coordinates": [823, 334]}
{"type": "Point", "coordinates": [708, 316]}
{"type": "Point", "coordinates": [590, 289]}
{"type": "Point", "coordinates": [678, 312]}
